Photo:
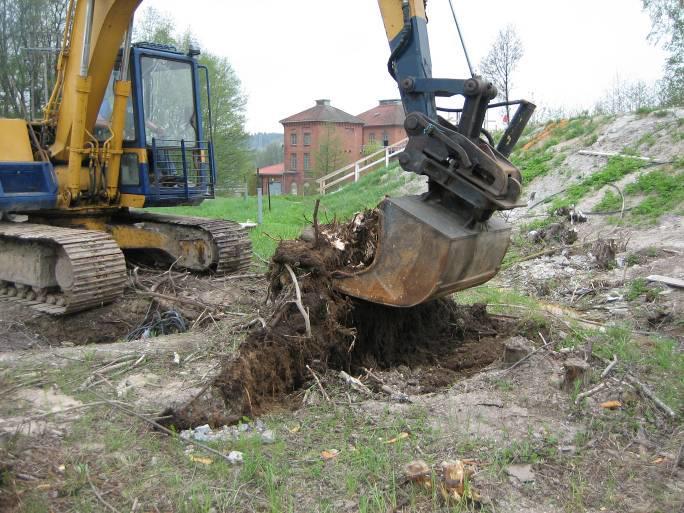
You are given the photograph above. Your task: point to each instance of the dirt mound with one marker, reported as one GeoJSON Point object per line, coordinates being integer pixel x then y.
{"type": "Point", "coordinates": [314, 326]}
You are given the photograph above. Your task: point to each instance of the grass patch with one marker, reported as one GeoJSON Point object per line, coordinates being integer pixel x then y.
{"type": "Point", "coordinates": [533, 164]}
{"type": "Point", "coordinates": [616, 168]}
{"type": "Point", "coordinates": [610, 202]}
{"type": "Point", "coordinates": [665, 194]}
{"type": "Point", "coordinates": [289, 214]}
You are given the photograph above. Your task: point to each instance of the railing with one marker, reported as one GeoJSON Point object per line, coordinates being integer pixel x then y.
{"type": "Point", "coordinates": [182, 169]}
{"type": "Point", "coordinates": [354, 170]}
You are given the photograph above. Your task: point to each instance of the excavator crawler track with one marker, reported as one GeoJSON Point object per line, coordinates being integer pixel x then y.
{"type": "Point", "coordinates": [92, 262]}
{"type": "Point", "coordinates": [232, 244]}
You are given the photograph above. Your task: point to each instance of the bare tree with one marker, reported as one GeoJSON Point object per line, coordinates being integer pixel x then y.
{"type": "Point", "coordinates": [501, 61]}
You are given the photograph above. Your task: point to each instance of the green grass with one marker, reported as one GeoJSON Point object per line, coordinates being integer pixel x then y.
{"type": "Point", "coordinates": [610, 202]}
{"type": "Point", "coordinates": [616, 168]}
{"type": "Point", "coordinates": [665, 194]}
{"type": "Point", "coordinates": [289, 214]}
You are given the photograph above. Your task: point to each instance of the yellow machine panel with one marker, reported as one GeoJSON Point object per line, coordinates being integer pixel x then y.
{"type": "Point", "coordinates": [15, 145]}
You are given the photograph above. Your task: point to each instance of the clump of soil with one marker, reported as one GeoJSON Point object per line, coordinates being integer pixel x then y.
{"type": "Point", "coordinates": [345, 333]}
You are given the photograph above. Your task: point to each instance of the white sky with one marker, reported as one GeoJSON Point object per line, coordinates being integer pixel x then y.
{"type": "Point", "coordinates": [288, 53]}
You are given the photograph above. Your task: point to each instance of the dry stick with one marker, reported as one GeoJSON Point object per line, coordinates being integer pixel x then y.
{"type": "Point", "coordinates": [118, 406]}
{"type": "Point", "coordinates": [175, 299]}
{"type": "Point", "coordinates": [97, 494]}
{"type": "Point", "coordinates": [649, 393]}
{"type": "Point", "coordinates": [355, 383]}
{"type": "Point", "coordinates": [612, 364]}
{"type": "Point", "coordinates": [315, 222]}
{"type": "Point", "coordinates": [320, 386]}
{"type": "Point", "coordinates": [581, 396]}
{"type": "Point", "coordinates": [401, 396]}
{"type": "Point", "coordinates": [527, 355]}
{"type": "Point", "coordinates": [298, 301]}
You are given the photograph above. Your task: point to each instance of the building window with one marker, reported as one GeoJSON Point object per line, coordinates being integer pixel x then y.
{"type": "Point", "coordinates": [293, 139]}
{"type": "Point", "coordinates": [385, 139]}
{"type": "Point", "coordinates": [307, 139]}
{"type": "Point", "coordinates": [307, 160]}
{"type": "Point", "coordinates": [293, 162]}
{"type": "Point", "coordinates": [371, 138]}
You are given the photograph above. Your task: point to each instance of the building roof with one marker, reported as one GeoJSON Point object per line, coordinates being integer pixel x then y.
{"type": "Point", "coordinates": [386, 113]}
{"type": "Point", "coordinates": [274, 170]}
{"type": "Point", "coordinates": [322, 112]}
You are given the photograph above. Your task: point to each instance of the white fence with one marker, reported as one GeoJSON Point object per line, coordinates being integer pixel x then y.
{"type": "Point", "coordinates": [354, 170]}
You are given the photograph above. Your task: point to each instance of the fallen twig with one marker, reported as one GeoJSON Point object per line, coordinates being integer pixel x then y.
{"type": "Point", "coordinates": [320, 386]}
{"type": "Point", "coordinates": [649, 393]}
{"type": "Point", "coordinates": [97, 493]}
{"type": "Point", "coordinates": [393, 393]}
{"type": "Point", "coordinates": [355, 384]}
{"type": "Point", "coordinates": [610, 366]}
{"type": "Point", "coordinates": [588, 393]}
{"type": "Point", "coordinates": [298, 301]}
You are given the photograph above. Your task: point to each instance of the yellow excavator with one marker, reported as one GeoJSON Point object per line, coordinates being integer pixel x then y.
{"type": "Point", "coordinates": [125, 129]}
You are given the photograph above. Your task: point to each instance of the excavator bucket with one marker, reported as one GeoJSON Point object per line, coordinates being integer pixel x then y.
{"type": "Point", "coordinates": [425, 251]}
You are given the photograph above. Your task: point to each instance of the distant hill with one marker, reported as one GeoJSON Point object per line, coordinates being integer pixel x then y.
{"type": "Point", "coordinates": [260, 140]}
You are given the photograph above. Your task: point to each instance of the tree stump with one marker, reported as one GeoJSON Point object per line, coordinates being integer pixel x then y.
{"type": "Point", "coordinates": [576, 370]}
{"type": "Point", "coordinates": [515, 349]}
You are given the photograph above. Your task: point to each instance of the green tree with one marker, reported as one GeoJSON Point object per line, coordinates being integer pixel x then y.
{"type": "Point", "coordinates": [271, 154]}
{"type": "Point", "coordinates": [667, 18]}
{"type": "Point", "coordinates": [30, 39]}
{"type": "Point", "coordinates": [228, 102]}
{"type": "Point", "coordinates": [329, 154]}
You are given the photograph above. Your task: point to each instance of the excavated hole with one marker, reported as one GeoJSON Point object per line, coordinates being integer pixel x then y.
{"type": "Point", "coordinates": [433, 343]}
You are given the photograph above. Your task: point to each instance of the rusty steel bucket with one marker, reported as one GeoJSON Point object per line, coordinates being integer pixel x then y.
{"type": "Point", "coordinates": [424, 252]}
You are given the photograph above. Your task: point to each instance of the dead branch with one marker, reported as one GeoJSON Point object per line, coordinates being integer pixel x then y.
{"type": "Point", "coordinates": [588, 393]}
{"type": "Point", "coordinates": [320, 386]}
{"type": "Point", "coordinates": [393, 393]}
{"type": "Point", "coordinates": [355, 384]}
{"type": "Point", "coordinates": [298, 301]}
{"type": "Point", "coordinates": [315, 222]}
{"type": "Point", "coordinates": [649, 393]}
{"type": "Point", "coordinates": [97, 493]}
{"type": "Point", "coordinates": [610, 366]}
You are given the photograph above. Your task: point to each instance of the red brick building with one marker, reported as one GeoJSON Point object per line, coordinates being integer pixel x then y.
{"type": "Point", "coordinates": [318, 141]}
{"type": "Point", "coordinates": [383, 124]}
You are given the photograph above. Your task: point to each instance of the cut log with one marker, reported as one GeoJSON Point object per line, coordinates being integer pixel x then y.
{"type": "Point", "coordinates": [576, 371]}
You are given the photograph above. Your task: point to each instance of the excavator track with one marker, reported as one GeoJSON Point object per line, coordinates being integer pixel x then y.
{"type": "Point", "coordinates": [90, 265]}
{"type": "Point", "coordinates": [232, 244]}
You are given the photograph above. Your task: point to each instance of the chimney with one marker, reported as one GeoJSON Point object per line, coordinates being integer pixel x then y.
{"type": "Point", "coordinates": [390, 102]}
{"type": "Point", "coordinates": [323, 102]}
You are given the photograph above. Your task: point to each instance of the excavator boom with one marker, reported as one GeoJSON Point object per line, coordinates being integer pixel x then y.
{"type": "Point", "coordinates": [445, 240]}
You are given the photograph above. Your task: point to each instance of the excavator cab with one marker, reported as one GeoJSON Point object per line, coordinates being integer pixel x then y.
{"type": "Point", "coordinates": [168, 152]}
{"type": "Point", "coordinates": [447, 239]}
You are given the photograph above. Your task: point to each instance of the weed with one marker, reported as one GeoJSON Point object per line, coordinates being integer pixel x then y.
{"type": "Point", "coordinates": [533, 164]}
{"type": "Point", "coordinates": [664, 190]}
{"type": "Point", "coordinates": [590, 140]}
{"type": "Point", "coordinates": [616, 168]}
{"type": "Point", "coordinates": [639, 287]}
{"type": "Point", "coordinates": [661, 113]}
{"type": "Point", "coordinates": [610, 202]}
{"type": "Point", "coordinates": [647, 139]}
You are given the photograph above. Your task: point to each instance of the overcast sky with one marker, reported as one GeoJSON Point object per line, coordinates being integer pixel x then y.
{"type": "Point", "coordinates": [289, 53]}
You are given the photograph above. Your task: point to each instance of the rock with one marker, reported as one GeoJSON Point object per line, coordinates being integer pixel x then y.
{"type": "Point", "coordinates": [235, 457]}
{"type": "Point", "coordinates": [576, 371]}
{"type": "Point", "coordinates": [515, 349]}
{"type": "Point", "coordinates": [522, 473]}
{"type": "Point", "coordinates": [268, 437]}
